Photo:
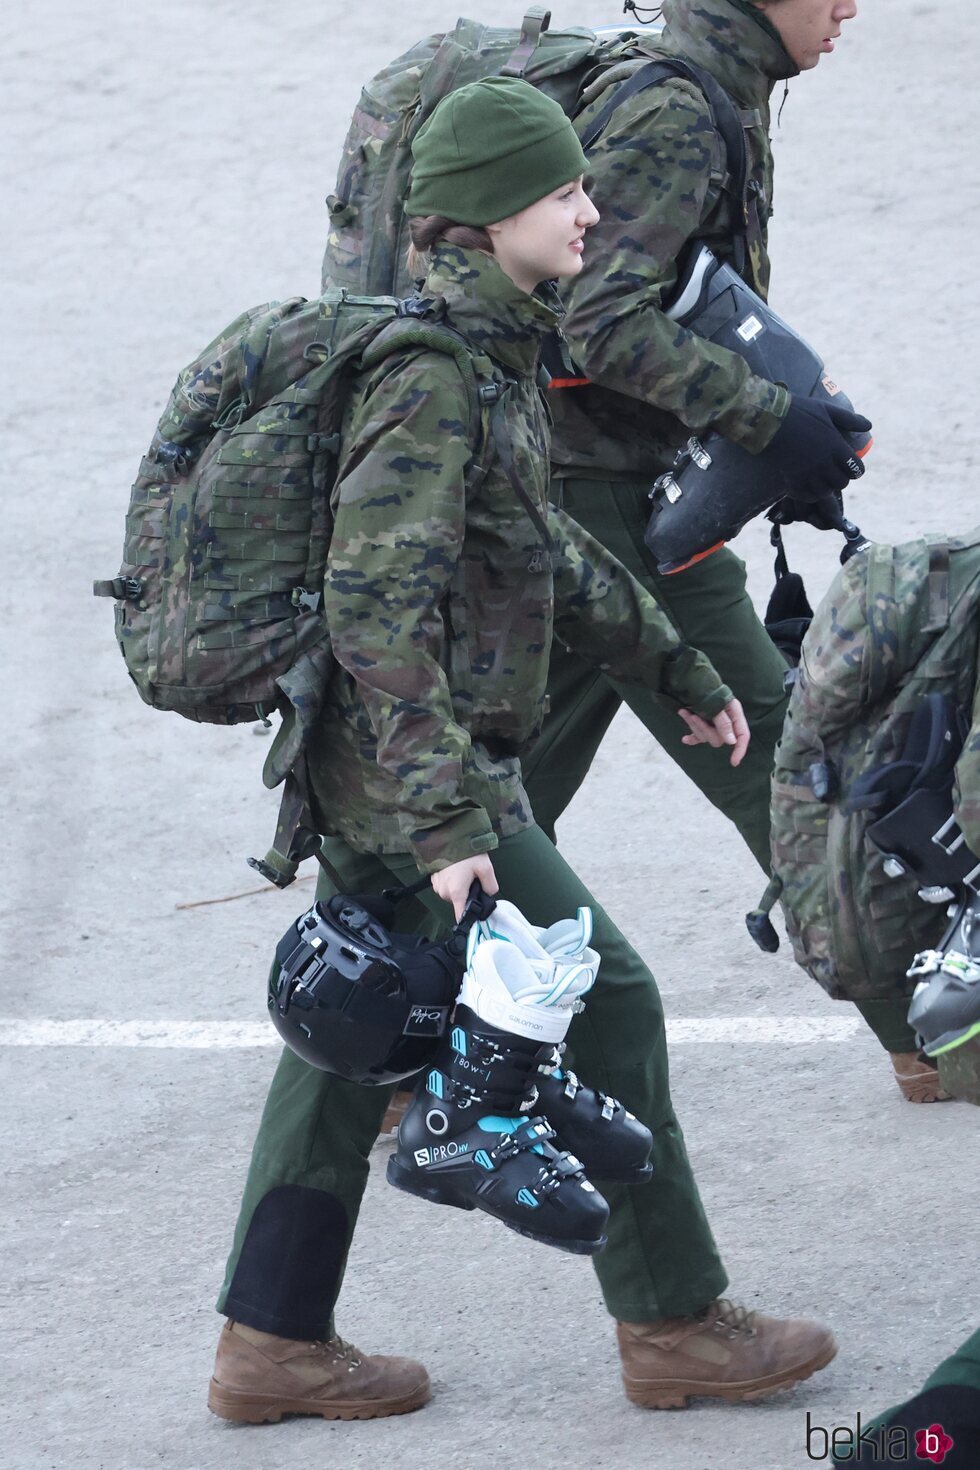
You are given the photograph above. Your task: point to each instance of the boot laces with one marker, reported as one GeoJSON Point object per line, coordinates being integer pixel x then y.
{"type": "Point", "coordinates": [730, 1315]}
{"type": "Point", "coordinates": [344, 1352]}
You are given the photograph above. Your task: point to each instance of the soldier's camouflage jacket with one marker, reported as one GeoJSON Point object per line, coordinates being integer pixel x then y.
{"type": "Point", "coordinates": [658, 170]}
{"type": "Point", "coordinates": [441, 604]}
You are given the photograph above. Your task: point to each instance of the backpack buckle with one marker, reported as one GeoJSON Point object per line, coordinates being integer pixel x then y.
{"type": "Point", "coordinates": [490, 393]}
{"type": "Point", "coordinates": [323, 443]}
{"type": "Point", "coordinates": [414, 306]}
{"type": "Point", "coordinates": [302, 598]}
{"type": "Point", "coordinates": [122, 589]}
{"type": "Point", "coordinates": [281, 879]}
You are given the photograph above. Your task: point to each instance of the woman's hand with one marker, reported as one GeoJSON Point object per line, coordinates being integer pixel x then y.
{"type": "Point", "coordinates": [453, 884]}
{"type": "Point", "coordinates": [729, 727]}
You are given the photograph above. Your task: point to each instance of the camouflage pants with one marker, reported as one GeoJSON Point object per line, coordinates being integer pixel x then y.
{"type": "Point", "coordinates": [711, 609]}
{"type": "Point", "coordinates": [311, 1157]}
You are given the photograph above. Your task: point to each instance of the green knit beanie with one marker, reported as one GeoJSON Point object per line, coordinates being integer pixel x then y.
{"type": "Point", "coordinates": [489, 150]}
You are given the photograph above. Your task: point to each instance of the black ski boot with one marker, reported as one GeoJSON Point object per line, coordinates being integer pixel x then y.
{"type": "Point", "coordinates": [612, 1144]}
{"type": "Point", "coordinates": [473, 1137]}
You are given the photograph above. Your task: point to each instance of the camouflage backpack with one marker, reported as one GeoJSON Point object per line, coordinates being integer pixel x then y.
{"type": "Point", "coordinates": [367, 238]}
{"type": "Point", "coordinates": [895, 638]}
{"type": "Point", "coordinates": [218, 600]}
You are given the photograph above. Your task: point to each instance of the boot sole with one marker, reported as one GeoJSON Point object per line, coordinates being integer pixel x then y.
{"type": "Point", "coordinates": [403, 1179]}
{"type": "Point", "coordinates": [251, 1408]}
{"type": "Point", "coordinates": [676, 1393]}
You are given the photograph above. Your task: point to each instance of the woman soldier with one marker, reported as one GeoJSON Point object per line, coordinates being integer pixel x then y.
{"type": "Point", "coordinates": [440, 597]}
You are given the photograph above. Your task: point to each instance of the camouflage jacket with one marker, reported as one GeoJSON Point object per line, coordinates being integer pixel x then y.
{"type": "Point", "coordinates": [658, 171]}
{"type": "Point", "coordinates": [440, 604]}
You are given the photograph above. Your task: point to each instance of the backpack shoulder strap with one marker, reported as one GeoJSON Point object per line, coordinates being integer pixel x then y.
{"type": "Point", "coordinates": [486, 394]}
{"type": "Point", "coordinates": [727, 122]}
{"type": "Point", "coordinates": [410, 330]}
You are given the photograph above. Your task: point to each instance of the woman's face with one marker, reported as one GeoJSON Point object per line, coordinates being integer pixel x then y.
{"type": "Point", "coordinates": [808, 28]}
{"type": "Point", "coordinates": [546, 240]}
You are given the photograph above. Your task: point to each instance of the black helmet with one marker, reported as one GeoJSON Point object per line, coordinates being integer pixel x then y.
{"type": "Point", "coordinates": [351, 996]}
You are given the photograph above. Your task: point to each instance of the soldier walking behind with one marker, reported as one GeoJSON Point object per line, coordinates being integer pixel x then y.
{"type": "Point", "coordinates": [659, 179]}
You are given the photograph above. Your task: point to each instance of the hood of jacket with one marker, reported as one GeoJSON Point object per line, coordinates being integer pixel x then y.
{"type": "Point", "coordinates": [734, 41]}
{"type": "Point", "coordinates": [491, 312]}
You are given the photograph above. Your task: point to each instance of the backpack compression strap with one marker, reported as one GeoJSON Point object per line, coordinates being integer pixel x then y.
{"type": "Point", "coordinates": [534, 23]}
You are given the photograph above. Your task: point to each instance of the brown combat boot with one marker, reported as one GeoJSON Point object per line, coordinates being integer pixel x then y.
{"type": "Point", "coordinates": [917, 1078]}
{"type": "Point", "coordinates": [258, 1378]}
{"type": "Point", "coordinates": [724, 1352]}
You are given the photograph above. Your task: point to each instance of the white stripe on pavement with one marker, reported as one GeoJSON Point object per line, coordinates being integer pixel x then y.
{"type": "Point", "coordinates": [233, 1035]}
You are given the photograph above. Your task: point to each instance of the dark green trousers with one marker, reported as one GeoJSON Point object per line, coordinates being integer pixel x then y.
{"type": "Point", "coordinates": [311, 1157]}
{"type": "Point", "coordinates": [711, 610]}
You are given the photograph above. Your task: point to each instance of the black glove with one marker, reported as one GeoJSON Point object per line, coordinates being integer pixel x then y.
{"type": "Point", "coordinates": [812, 449]}
{"type": "Point", "coordinates": [827, 513]}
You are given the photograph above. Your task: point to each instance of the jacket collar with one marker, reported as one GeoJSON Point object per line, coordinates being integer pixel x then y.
{"type": "Point", "coordinates": [734, 41]}
{"type": "Point", "coordinates": [484, 304]}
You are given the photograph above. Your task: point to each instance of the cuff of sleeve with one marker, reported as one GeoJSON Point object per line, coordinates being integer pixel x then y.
{"type": "Point", "coordinates": [462, 836]}
{"type": "Point", "coordinates": [754, 423]}
{"type": "Point", "coordinates": [692, 682]}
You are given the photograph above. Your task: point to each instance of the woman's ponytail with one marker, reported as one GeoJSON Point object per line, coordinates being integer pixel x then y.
{"type": "Point", "coordinates": [428, 230]}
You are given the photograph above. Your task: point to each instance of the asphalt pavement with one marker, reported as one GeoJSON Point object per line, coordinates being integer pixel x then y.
{"type": "Point", "coordinates": [165, 166]}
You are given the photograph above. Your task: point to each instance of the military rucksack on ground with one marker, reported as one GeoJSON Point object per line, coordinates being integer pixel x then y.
{"type": "Point", "coordinates": [368, 236]}
{"type": "Point", "coordinates": [219, 597]}
{"type": "Point", "coordinates": [876, 717]}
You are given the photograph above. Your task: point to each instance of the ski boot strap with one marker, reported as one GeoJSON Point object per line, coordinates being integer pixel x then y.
{"type": "Point", "coordinates": [610, 1105]}
{"type": "Point", "coordinates": [536, 1134]}
{"type": "Point", "coordinates": [532, 1134]}
{"type": "Point", "coordinates": [507, 1099]}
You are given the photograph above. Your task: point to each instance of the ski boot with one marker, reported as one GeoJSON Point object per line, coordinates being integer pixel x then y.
{"type": "Point", "coordinates": [613, 1145]}
{"type": "Point", "coordinates": [473, 1136]}
{"type": "Point", "coordinates": [945, 1009]}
